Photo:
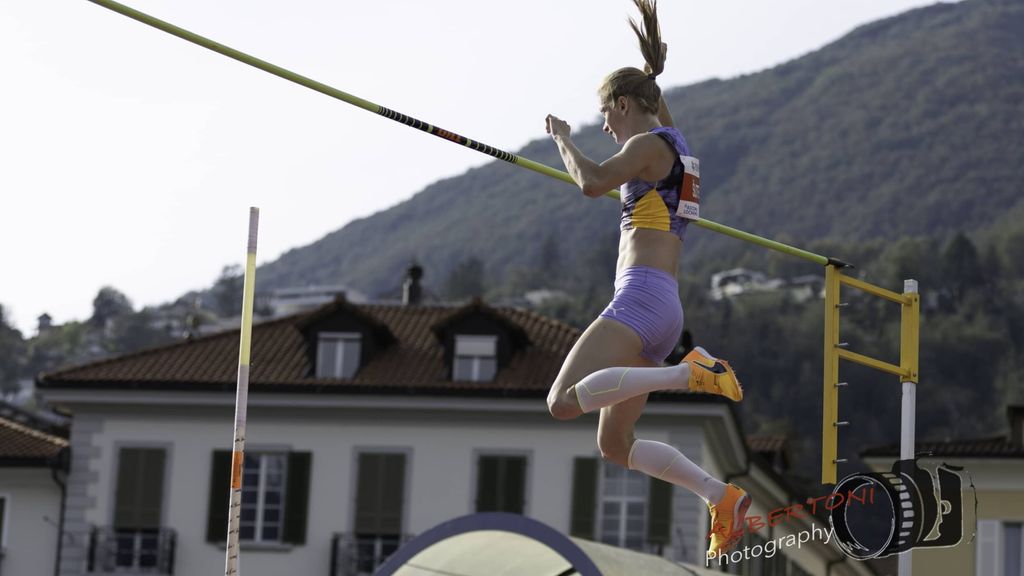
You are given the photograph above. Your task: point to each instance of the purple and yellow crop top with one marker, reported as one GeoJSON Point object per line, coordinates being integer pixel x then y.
{"type": "Point", "coordinates": [655, 205]}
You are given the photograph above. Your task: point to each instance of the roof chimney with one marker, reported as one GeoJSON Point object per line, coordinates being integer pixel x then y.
{"type": "Point", "coordinates": [1015, 414]}
{"type": "Point", "coordinates": [412, 292]}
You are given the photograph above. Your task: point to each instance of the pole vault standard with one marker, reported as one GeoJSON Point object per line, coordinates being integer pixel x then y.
{"type": "Point", "coordinates": [241, 398]}
{"type": "Point", "coordinates": [428, 128]}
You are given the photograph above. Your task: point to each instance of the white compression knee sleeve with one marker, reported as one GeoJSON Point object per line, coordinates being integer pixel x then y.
{"type": "Point", "coordinates": [613, 385]}
{"type": "Point", "coordinates": [666, 463]}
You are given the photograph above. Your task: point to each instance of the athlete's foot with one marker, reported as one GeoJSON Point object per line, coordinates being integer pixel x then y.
{"type": "Point", "coordinates": [712, 376]}
{"type": "Point", "coordinates": [727, 519]}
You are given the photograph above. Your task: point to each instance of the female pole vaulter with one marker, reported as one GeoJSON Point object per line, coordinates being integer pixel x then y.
{"type": "Point", "coordinates": [619, 358]}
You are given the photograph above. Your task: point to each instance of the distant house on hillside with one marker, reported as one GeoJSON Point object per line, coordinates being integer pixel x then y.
{"type": "Point", "coordinates": [369, 424]}
{"type": "Point", "coordinates": [741, 281]}
{"type": "Point", "coordinates": [736, 281]}
{"type": "Point", "coordinates": [293, 300]}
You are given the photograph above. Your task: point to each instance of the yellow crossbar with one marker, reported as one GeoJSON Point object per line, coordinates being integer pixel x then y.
{"type": "Point", "coordinates": [873, 363]}
{"type": "Point", "coordinates": [872, 289]}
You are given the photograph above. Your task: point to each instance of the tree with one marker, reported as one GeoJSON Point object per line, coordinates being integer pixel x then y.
{"type": "Point", "coordinates": [12, 352]}
{"type": "Point", "coordinates": [136, 332]}
{"type": "Point", "coordinates": [227, 291]}
{"type": "Point", "coordinates": [109, 304]}
{"type": "Point", "coordinates": [466, 280]}
{"type": "Point", "coordinates": [961, 268]}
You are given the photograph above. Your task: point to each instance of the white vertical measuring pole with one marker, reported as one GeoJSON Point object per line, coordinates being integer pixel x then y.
{"type": "Point", "coordinates": [241, 398]}
{"type": "Point", "coordinates": [908, 411]}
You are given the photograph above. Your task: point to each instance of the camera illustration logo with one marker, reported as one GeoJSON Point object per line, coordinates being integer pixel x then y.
{"type": "Point", "coordinates": [914, 506]}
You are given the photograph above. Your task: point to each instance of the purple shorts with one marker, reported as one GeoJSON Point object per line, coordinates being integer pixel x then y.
{"type": "Point", "coordinates": [647, 300]}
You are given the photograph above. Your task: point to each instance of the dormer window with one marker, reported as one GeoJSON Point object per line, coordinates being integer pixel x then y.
{"type": "Point", "coordinates": [476, 358]}
{"type": "Point", "coordinates": [337, 354]}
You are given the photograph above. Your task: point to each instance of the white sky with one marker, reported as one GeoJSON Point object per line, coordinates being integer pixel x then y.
{"type": "Point", "coordinates": [129, 157]}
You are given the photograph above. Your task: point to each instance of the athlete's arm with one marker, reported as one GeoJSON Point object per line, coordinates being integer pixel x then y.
{"type": "Point", "coordinates": [597, 179]}
{"type": "Point", "coordinates": [664, 116]}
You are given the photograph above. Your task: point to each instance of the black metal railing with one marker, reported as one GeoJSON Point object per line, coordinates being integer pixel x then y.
{"type": "Point", "coordinates": [361, 554]}
{"type": "Point", "coordinates": [139, 551]}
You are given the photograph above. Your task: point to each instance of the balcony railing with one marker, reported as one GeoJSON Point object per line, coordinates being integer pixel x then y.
{"type": "Point", "coordinates": [146, 551]}
{"type": "Point", "coordinates": [361, 555]}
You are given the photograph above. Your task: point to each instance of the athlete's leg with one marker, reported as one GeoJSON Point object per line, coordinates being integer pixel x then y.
{"type": "Point", "coordinates": [618, 443]}
{"type": "Point", "coordinates": [698, 372]}
{"type": "Point", "coordinates": [605, 343]}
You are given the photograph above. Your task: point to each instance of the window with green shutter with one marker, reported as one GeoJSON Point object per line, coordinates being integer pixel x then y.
{"type": "Point", "coordinates": [584, 498]}
{"type": "Point", "coordinates": [379, 494]}
{"type": "Point", "coordinates": [140, 488]}
{"type": "Point", "coordinates": [275, 497]}
{"type": "Point", "coordinates": [659, 514]}
{"type": "Point", "coordinates": [138, 500]}
{"type": "Point", "coordinates": [501, 484]}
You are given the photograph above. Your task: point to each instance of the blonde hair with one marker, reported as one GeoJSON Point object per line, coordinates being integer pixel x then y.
{"type": "Point", "coordinates": [633, 82]}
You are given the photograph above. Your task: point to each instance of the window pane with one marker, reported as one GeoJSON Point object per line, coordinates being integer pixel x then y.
{"type": "Point", "coordinates": [246, 532]}
{"type": "Point", "coordinates": [271, 533]}
{"type": "Point", "coordinates": [249, 499]}
{"type": "Point", "coordinates": [476, 345]}
{"type": "Point", "coordinates": [326, 357]}
{"type": "Point", "coordinates": [350, 353]}
{"type": "Point", "coordinates": [463, 368]}
{"type": "Point", "coordinates": [486, 369]}
{"type": "Point", "coordinates": [635, 524]}
{"type": "Point", "coordinates": [248, 514]}
{"type": "Point", "coordinates": [271, 515]}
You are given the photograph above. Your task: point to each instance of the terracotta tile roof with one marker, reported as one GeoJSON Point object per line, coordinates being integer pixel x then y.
{"type": "Point", "coordinates": [413, 362]}
{"type": "Point", "coordinates": [999, 447]}
{"type": "Point", "coordinates": [767, 444]}
{"type": "Point", "coordinates": [24, 446]}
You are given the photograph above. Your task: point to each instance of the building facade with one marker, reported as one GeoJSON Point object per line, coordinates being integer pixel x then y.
{"type": "Point", "coordinates": [367, 425]}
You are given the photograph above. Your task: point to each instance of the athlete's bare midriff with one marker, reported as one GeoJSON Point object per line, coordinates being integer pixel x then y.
{"type": "Point", "coordinates": [647, 247]}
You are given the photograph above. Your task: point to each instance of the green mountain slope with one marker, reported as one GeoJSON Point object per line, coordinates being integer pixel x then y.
{"type": "Point", "coordinates": [911, 125]}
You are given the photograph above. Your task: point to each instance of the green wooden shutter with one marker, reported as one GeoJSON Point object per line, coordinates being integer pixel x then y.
{"type": "Point", "coordinates": [140, 488]}
{"type": "Point", "coordinates": [659, 512]}
{"type": "Point", "coordinates": [514, 488]}
{"type": "Point", "coordinates": [487, 484]}
{"type": "Point", "coordinates": [296, 498]}
{"type": "Point", "coordinates": [220, 496]}
{"type": "Point", "coordinates": [501, 484]}
{"type": "Point", "coordinates": [380, 494]}
{"type": "Point", "coordinates": [584, 497]}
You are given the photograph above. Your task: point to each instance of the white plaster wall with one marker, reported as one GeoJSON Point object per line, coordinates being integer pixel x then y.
{"type": "Point", "coordinates": [33, 511]}
{"type": "Point", "coordinates": [440, 481]}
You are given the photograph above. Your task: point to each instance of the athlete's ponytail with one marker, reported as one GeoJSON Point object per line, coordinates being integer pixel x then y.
{"type": "Point", "coordinates": [633, 82]}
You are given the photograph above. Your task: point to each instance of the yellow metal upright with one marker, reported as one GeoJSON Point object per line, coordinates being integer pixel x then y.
{"type": "Point", "coordinates": [830, 390]}
{"type": "Point", "coordinates": [910, 321]}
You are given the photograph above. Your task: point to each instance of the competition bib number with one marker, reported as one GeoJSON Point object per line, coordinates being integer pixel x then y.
{"type": "Point", "coordinates": [689, 190]}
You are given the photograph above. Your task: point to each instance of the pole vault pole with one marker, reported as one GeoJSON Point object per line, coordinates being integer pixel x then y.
{"type": "Point", "coordinates": [241, 399]}
{"type": "Point", "coordinates": [428, 128]}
